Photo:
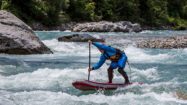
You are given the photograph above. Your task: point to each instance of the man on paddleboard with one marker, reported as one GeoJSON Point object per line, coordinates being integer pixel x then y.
{"type": "Point", "coordinates": [117, 57]}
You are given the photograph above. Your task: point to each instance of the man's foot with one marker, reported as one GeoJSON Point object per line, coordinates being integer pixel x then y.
{"type": "Point", "coordinates": [110, 75]}
{"type": "Point", "coordinates": [124, 74]}
{"type": "Point", "coordinates": [109, 82]}
{"type": "Point", "coordinates": [127, 82]}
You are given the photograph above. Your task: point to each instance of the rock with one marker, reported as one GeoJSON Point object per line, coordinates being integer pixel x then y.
{"type": "Point", "coordinates": [18, 38]}
{"type": "Point", "coordinates": [102, 26]}
{"type": "Point", "coordinates": [79, 38]}
{"type": "Point", "coordinates": [167, 43]}
{"type": "Point", "coordinates": [181, 95]}
{"type": "Point", "coordinates": [105, 26]}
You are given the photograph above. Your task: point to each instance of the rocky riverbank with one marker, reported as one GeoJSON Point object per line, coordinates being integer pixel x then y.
{"type": "Point", "coordinates": [102, 26]}
{"type": "Point", "coordinates": [166, 43]}
{"type": "Point", "coordinates": [18, 38]}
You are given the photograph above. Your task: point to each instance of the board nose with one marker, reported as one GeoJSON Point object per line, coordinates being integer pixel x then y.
{"type": "Point", "coordinates": [74, 83]}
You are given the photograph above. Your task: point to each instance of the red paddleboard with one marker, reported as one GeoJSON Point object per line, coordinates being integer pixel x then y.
{"type": "Point", "coordinates": [90, 85]}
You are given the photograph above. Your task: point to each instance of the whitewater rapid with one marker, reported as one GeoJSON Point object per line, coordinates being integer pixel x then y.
{"type": "Point", "coordinates": [47, 79]}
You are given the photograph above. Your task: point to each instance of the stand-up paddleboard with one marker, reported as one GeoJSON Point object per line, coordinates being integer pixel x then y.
{"type": "Point", "coordinates": [90, 85]}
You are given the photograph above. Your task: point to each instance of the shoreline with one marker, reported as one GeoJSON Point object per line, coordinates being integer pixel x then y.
{"type": "Point", "coordinates": [70, 25]}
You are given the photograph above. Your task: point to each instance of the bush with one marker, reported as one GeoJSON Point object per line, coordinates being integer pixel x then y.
{"type": "Point", "coordinates": [55, 12]}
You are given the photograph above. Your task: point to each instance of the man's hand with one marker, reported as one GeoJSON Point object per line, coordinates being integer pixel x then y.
{"type": "Point", "coordinates": [89, 41]}
{"type": "Point", "coordinates": [89, 69]}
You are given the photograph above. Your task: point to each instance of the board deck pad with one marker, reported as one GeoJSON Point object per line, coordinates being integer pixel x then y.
{"type": "Point", "coordinates": [90, 85]}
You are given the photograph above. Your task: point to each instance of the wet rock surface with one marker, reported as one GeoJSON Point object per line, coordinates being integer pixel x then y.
{"type": "Point", "coordinates": [166, 43]}
{"type": "Point", "coordinates": [79, 38]}
{"type": "Point", "coordinates": [105, 26]}
{"type": "Point", "coordinates": [102, 26]}
{"type": "Point", "coordinates": [18, 38]}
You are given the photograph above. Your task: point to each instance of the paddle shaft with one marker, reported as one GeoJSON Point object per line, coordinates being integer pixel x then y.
{"type": "Point", "coordinates": [130, 69]}
{"type": "Point", "coordinates": [89, 60]}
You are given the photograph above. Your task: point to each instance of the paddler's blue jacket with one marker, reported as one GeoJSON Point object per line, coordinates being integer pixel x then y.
{"type": "Point", "coordinates": [108, 52]}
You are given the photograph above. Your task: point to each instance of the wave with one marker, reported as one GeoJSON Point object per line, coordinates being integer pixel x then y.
{"type": "Point", "coordinates": [185, 50]}
{"type": "Point", "coordinates": [59, 79]}
{"type": "Point", "coordinates": [81, 49]}
{"type": "Point", "coordinates": [140, 55]}
{"type": "Point", "coordinates": [150, 74]}
{"type": "Point", "coordinates": [60, 98]}
{"type": "Point", "coordinates": [70, 48]}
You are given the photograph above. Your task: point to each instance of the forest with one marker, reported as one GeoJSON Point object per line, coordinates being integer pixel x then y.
{"type": "Point", "coordinates": [153, 13]}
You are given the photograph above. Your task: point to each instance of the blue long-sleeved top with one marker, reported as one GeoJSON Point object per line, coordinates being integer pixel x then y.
{"type": "Point", "coordinates": [107, 49]}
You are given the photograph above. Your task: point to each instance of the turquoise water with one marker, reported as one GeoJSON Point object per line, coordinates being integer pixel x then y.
{"type": "Point", "coordinates": [47, 79]}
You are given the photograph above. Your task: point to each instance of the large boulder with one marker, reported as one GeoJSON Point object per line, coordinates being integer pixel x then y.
{"type": "Point", "coordinates": [79, 38]}
{"type": "Point", "coordinates": [167, 43]}
{"type": "Point", "coordinates": [18, 38]}
{"type": "Point", "coordinates": [105, 26]}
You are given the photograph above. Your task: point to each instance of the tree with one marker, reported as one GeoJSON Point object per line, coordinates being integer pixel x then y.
{"type": "Point", "coordinates": [90, 7]}
{"type": "Point", "coordinates": [4, 4]}
{"type": "Point", "coordinates": [52, 9]}
{"type": "Point", "coordinates": [153, 12]}
{"type": "Point", "coordinates": [176, 7]}
{"type": "Point", "coordinates": [104, 9]}
{"type": "Point", "coordinates": [81, 10]}
{"type": "Point", "coordinates": [0, 4]}
{"type": "Point", "coordinates": [54, 12]}
{"type": "Point", "coordinates": [127, 10]}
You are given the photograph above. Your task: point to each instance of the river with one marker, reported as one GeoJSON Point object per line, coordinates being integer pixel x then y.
{"type": "Point", "coordinates": [47, 79]}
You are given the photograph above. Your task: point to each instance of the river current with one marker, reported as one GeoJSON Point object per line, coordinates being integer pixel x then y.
{"type": "Point", "coordinates": [47, 79]}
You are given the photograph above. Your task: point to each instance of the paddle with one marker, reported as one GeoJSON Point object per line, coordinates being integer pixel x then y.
{"type": "Point", "coordinates": [129, 68]}
{"type": "Point", "coordinates": [89, 59]}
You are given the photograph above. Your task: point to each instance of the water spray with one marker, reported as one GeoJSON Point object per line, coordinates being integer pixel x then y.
{"type": "Point", "coordinates": [129, 68]}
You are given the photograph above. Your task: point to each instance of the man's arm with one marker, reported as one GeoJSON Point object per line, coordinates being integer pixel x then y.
{"type": "Point", "coordinates": [100, 63]}
{"type": "Point", "coordinates": [103, 47]}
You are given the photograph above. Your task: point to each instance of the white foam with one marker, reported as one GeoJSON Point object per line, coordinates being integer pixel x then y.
{"type": "Point", "coordinates": [47, 79]}
{"type": "Point", "coordinates": [52, 79]}
{"type": "Point", "coordinates": [59, 98]}
{"type": "Point", "coordinates": [7, 68]}
{"type": "Point", "coordinates": [150, 74]}
{"type": "Point", "coordinates": [146, 32]}
{"type": "Point", "coordinates": [81, 49]}
{"type": "Point", "coordinates": [42, 79]}
{"type": "Point", "coordinates": [67, 31]}
{"type": "Point", "coordinates": [167, 97]}
{"type": "Point", "coordinates": [185, 50]}
{"type": "Point", "coordinates": [70, 48]}
{"type": "Point", "coordinates": [140, 55]}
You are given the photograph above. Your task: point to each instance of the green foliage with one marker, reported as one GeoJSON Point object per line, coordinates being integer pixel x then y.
{"type": "Point", "coordinates": [52, 9]}
{"type": "Point", "coordinates": [158, 12]}
{"type": "Point", "coordinates": [175, 7]}
{"type": "Point", "coordinates": [90, 9]}
{"type": "Point", "coordinates": [184, 11]}
{"type": "Point", "coordinates": [54, 12]}
{"type": "Point", "coordinates": [65, 4]}
{"type": "Point", "coordinates": [177, 23]}
{"type": "Point", "coordinates": [5, 4]}
{"type": "Point", "coordinates": [82, 10]}
{"type": "Point", "coordinates": [127, 10]}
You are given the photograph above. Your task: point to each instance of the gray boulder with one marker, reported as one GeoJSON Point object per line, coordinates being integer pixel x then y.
{"type": "Point", "coordinates": [166, 43]}
{"type": "Point", "coordinates": [79, 38]}
{"type": "Point", "coordinates": [105, 26]}
{"type": "Point", "coordinates": [18, 38]}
